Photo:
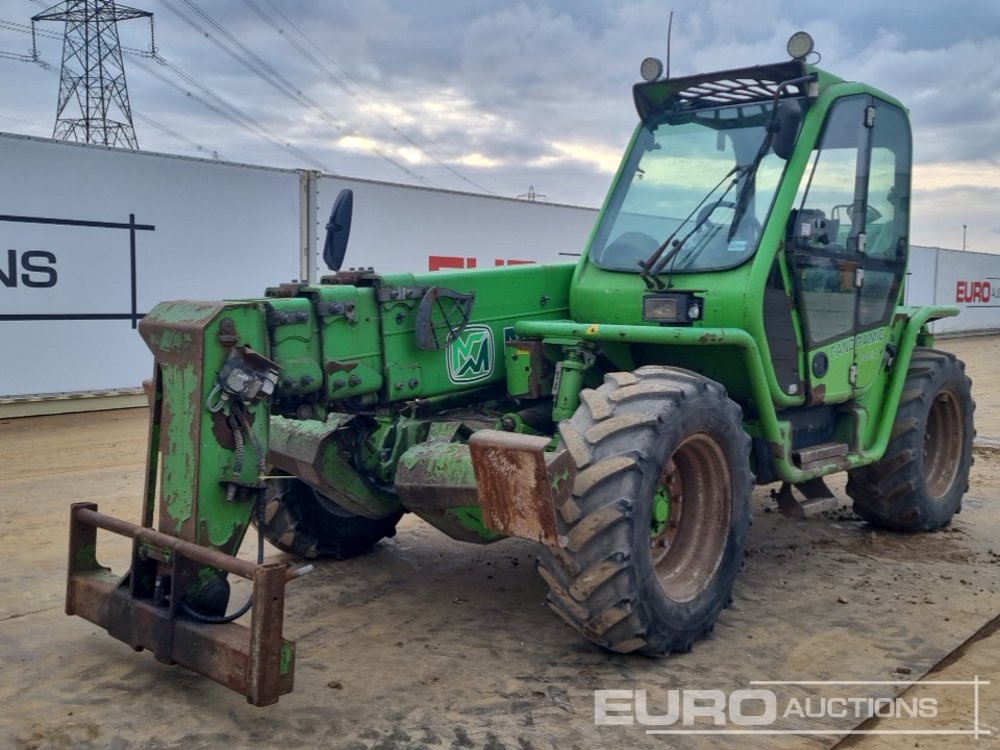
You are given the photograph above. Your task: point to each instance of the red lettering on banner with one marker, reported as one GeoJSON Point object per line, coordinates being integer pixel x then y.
{"type": "Point", "coordinates": [439, 262]}
{"type": "Point", "coordinates": [967, 292]}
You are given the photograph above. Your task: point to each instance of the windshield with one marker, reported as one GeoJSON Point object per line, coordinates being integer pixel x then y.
{"type": "Point", "coordinates": [675, 164]}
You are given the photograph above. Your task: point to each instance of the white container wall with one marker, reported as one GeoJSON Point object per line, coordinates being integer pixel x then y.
{"type": "Point", "coordinates": [404, 229]}
{"type": "Point", "coordinates": [953, 277]}
{"type": "Point", "coordinates": [91, 238]}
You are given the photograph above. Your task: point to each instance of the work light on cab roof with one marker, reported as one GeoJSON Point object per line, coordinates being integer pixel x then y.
{"type": "Point", "coordinates": [800, 46]}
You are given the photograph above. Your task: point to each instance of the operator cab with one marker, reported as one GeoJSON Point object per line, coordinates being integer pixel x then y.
{"type": "Point", "coordinates": [772, 199]}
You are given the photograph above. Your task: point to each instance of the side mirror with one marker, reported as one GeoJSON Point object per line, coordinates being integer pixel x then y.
{"type": "Point", "coordinates": [789, 122]}
{"type": "Point", "coordinates": [338, 230]}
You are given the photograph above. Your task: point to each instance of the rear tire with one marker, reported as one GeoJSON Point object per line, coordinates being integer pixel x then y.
{"type": "Point", "coordinates": [919, 483]}
{"type": "Point", "coordinates": [305, 523]}
{"type": "Point", "coordinates": [657, 524]}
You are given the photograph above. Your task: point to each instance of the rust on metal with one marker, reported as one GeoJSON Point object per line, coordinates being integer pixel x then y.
{"type": "Point", "coordinates": [228, 335]}
{"type": "Point", "coordinates": [819, 453]}
{"type": "Point", "coordinates": [817, 395]}
{"type": "Point", "coordinates": [520, 484]}
{"type": "Point", "coordinates": [333, 366]}
{"type": "Point", "coordinates": [319, 455]}
{"type": "Point", "coordinates": [223, 431]}
{"type": "Point", "coordinates": [811, 506]}
{"type": "Point", "coordinates": [287, 289]}
{"type": "Point", "coordinates": [537, 365]}
{"type": "Point", "coordinates": [256, 661]}
{"type": "Point", "coordinates": [436, 475]}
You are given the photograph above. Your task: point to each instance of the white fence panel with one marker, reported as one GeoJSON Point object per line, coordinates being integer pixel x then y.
{"type": "Point", "coordinates": [953, 277]}
{"type": "Point", "coordinates": [404, 229]}
{"type": "Point", "coordinates": [92, 238]}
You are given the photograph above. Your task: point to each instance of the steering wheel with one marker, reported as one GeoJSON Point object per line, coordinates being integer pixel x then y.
{"type": "Point", "coordinates": [628, 249]}
{"type": "Point", "coordinates": [751, 226]}
{"type": "Point", "coordinates": [708, 209]}
{"type": "Point", "coordinates": [871, 216]}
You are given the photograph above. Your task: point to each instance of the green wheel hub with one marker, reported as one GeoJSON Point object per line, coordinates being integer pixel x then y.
{"type": "Point", "coordinates": [661, 510]}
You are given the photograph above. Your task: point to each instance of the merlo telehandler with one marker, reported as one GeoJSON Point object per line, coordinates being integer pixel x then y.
{"type": "Point", "coordinates": [735, 318]}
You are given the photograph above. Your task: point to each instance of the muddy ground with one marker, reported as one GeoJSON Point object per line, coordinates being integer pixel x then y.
{"type": "Point", "coordinates": [429, 643]}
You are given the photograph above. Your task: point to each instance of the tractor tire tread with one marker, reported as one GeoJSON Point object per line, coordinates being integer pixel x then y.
{"type": "Point", "coordinates": [594, 584]}
{"type": "Point", "coordinates": [892, 493]}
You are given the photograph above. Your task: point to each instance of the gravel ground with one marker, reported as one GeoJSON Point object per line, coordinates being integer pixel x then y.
{"type": "Point", "coordinates": [429, 643]}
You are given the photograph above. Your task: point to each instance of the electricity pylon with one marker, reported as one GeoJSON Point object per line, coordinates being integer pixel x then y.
{"type": "Point", "coordinates": [93, 98]}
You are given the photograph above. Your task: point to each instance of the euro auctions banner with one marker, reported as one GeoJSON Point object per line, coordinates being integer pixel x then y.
{"type": "Point", "coordinates": [92, 238]}
{"type": "Point", "coordinates": [971, 281]}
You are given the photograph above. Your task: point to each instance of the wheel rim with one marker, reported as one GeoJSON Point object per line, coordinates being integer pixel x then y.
{"type": "Point", "coordinates": [943, 443]}
{"type": "Point", "coordinates": [688, 548]}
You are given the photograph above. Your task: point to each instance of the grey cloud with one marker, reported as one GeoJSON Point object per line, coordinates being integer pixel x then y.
{"type": "Point", "coordinates": [541, 72]}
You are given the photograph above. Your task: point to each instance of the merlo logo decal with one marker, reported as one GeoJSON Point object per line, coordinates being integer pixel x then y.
{"type": "Point", "coordinates": [471, 356]}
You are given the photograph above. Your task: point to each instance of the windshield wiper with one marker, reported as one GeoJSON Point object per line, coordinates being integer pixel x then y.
{"type": "Point", "coordinates": [770, 128]}
{"type": "Point", "coordinates": [743, 199]}
{"type": "Point", "coordinates": [655, 263]}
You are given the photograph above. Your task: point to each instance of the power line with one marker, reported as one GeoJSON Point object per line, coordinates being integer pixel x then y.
{"type": "Point", "coordinates": [25, 122]}
{"type": "Point", "coordinates": [222, 108]}
{"type": "Point", "coordinates": [262, 69]}
{"type": "Point", "coordinates": [209, 99]}
{"type": "Point", "coordinates": [373, 97]}
{"type": "Point", "coordinates": [15, 56]}
{"type": "Point", "coordinates": [26, 29]}
{"type": "Point", "coordinates": [329, 74]}
{"type": "Point", "coordinates": [42, 63]}
{"type": "Point", "coordinates": [166, 130]}
{"type": "Point", "coordinates": [229, 111]}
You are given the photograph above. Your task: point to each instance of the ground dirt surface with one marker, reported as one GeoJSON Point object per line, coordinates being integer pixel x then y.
{"type": "Point", "coordinates": [430, 643]}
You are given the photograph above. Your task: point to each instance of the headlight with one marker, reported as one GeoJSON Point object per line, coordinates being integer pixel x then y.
{"type": "Point", "coordinates": [672, 308]}
{"type": "Point", "coordinates": [651, 69]}
{"type": "Point", "coordinates": [800, 45]}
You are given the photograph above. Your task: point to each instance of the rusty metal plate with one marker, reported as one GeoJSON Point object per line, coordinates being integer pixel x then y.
{"type": "Point", "coordinates": [256, 661]}
{"type": "Point", "coordinates": [520, 485]}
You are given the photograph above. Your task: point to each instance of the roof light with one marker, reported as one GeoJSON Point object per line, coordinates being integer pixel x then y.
{"type": "Point", "coordinates": [800, 45]}
{"type": "Point", "coordinates": [651, 69]}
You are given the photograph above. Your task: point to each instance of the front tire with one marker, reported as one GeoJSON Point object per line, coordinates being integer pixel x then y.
{"type": "Point", "coordinates": [658, 521]}
{"type": "Point", "coordinates": [306, 523]}
{"type": "Point", "coordinates": [919, 483]}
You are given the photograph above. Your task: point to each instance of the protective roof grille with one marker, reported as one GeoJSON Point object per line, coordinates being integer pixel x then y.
{"type": "Point", "coordinates": [730, 91]}
{"type": "Point", "coordinates": [742, 86]}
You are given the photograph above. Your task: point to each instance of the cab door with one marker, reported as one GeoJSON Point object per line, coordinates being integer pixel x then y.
{"type": "Point", "coordinates": [884, 245]}
{"type": "Point", "coordinates": [848, 255]}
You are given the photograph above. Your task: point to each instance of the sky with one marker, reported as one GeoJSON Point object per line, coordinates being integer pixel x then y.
{"type": "Point", "coordinates": [509, 98]}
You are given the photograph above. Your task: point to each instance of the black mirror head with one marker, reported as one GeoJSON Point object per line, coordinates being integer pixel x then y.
{"type": "Point", "coordinates": [338, 230]}
{"type": "Point", "coordinates": [790, 116]}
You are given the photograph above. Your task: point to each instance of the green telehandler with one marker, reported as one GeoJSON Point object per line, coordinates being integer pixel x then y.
{"type": "Point", "coordinates": [735, 318]}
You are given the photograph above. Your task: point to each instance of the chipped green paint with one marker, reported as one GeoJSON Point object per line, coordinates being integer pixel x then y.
{"type": "Point", "coordinates": [558, 480]}
{"type": "Point", "coordinates": [180, 461]}
{"type": "Point", "coordinates": [450, 463]}
{"type": "Point", "coordinates": [182, 312]}
{"type": "Point", "coordinates": [661, 511]}
{"type": "Point", "coordinates": [185, 337]}
{"type": "Point", "coordinates": [174, 340]}
{"type": "Point", "coordinates": [86, 557]}
{"type": "Point", "coordinates": [287, 659]}
{"type": "Point", "coordinates": [471, 518]}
